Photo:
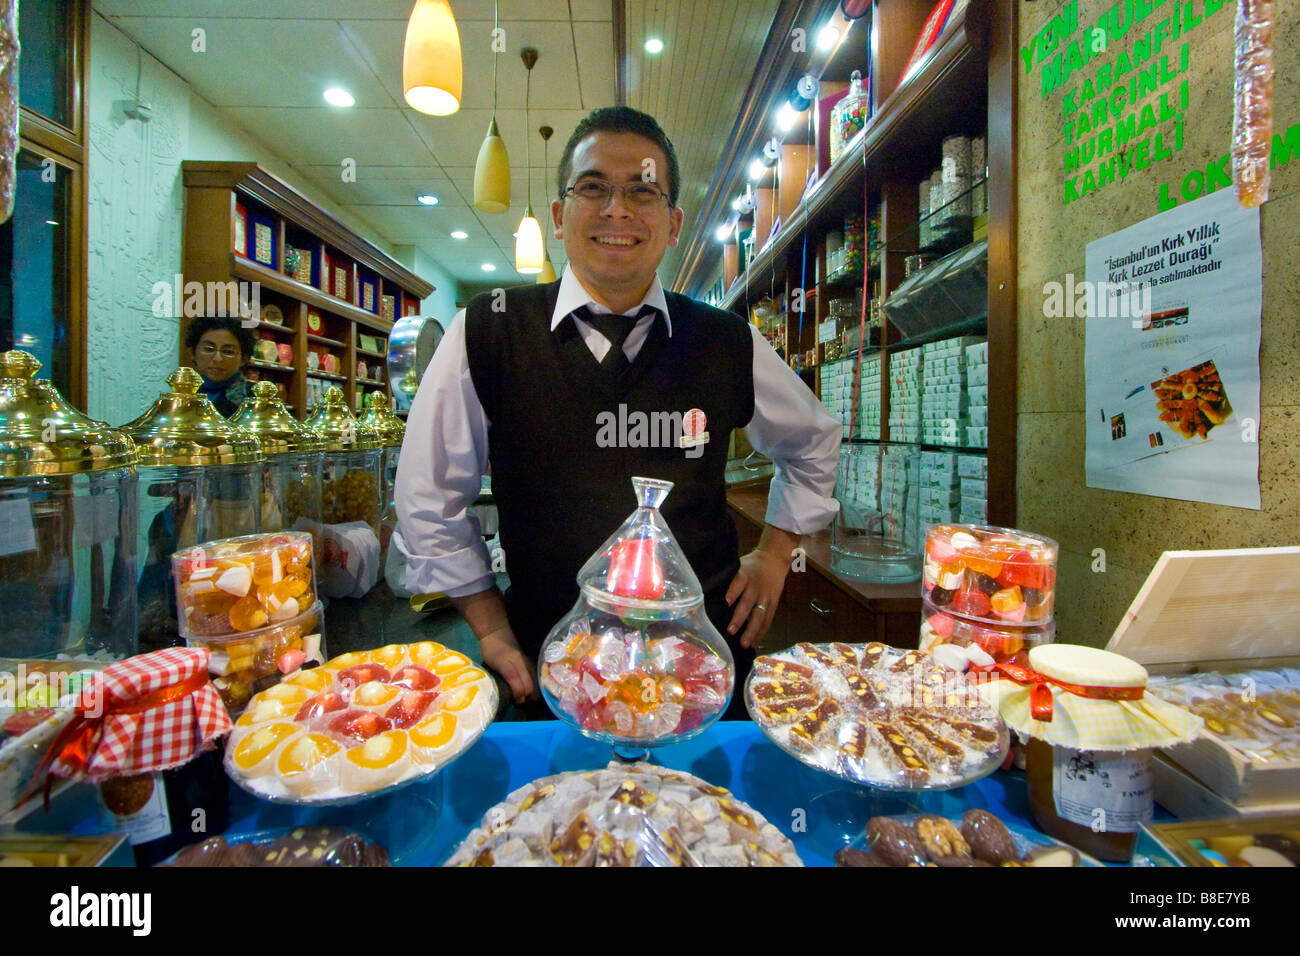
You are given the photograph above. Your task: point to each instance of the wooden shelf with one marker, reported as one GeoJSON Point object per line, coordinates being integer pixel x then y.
{"type": "Point", "coordinates": [242, 268]}
{"type": "Point", "coordinates": [322, 340]}
{"type": "Point", "coordinates": [914, 118]}
{"type": "Point", "coordinates": [263, 324]}
{"type": "Point", "coordinates": [331, 376]}
{"type": "Point", "coordinates": [379, 355]}
{"type": "Point", "coordinates": [271, 366]}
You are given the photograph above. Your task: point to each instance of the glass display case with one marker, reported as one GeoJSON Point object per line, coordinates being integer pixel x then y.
{"type": "Point", "coordinates": [69, 517]}
{"type": "Point", "coordinates": [200, 479]}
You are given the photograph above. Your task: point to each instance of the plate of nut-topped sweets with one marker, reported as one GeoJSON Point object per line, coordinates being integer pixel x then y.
{"type": "Point", "coordinates": [876, 715]}
{"type": "Point", "coordinates": [977, 839]}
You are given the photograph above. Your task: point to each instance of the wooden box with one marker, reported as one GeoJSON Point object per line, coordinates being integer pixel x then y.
{"type": "Point", "coordinates": [1223, 611]}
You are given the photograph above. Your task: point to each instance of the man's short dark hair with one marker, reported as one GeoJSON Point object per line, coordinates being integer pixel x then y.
{"type": "Point", "coordinates": [202, 326]}
{"type": "Point", "coordinates": [621, 119]}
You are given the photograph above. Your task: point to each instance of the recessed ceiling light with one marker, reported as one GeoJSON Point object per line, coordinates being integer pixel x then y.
{"type": "Point", "coordinates": [756, 170]}
{"type": "Point", "coordinates": [785, 118]}
{"type": "Point", "coordinates": [654, 45]}
{"type": "Point", "coordinates": [826, 39]}
{"type": "Point", "coordinates": [50, 222]}
{"type": "Point", "coordinates": [427, 199]}
{"type": "Point", "coordinates": [723, 233]}
{"type": "Point", "coordinates": [336, 96]}
{"type": "Point", "coordinates": [460, 234]}
{"type": "Point", "coordinates": [489, 267]}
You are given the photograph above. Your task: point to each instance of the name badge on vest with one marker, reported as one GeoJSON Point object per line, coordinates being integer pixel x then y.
{"type": "Point", "coordinates": [693, 433]}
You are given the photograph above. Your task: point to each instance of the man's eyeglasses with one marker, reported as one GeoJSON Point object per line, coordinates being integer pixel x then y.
{"type": "Point", "coordinates": [208, 350]}
{"type": "Point", "coordinates": [597, 191]}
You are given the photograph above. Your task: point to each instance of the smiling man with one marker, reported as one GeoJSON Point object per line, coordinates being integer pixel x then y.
{"type": "Point", "coordinates": [524, 377]}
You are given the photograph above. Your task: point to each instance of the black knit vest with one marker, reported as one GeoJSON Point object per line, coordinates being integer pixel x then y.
{"type": "Point", "coordinates": [560, 488]}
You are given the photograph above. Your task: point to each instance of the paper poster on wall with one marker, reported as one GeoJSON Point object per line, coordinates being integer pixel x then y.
{"type": "Point", "coordinates": [1172, 355]}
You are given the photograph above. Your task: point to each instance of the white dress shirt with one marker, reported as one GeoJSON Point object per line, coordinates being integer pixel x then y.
{"type": "Point", "coordinates": [445, 452]}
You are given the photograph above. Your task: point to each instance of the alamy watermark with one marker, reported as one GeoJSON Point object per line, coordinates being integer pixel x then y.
{"type": "Point", "coordinates": [21, 689]}
{"type": "Point", "coordinates": [638, 429]}
{"type": "Point", "coordinates": [177, 298]}
{"type": "Point", "coordinates": [1098, 300]}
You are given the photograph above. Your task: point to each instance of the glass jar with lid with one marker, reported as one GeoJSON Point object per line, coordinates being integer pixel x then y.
{"type": "Point", "coordinates": [291, 477]}
{"type": "Point", "coordinates": [391, 430]}
{"type": "Point", "coordinates": [351, 494]}
{"type": "Point", "coordinates": [849, 115]}
{"type": "Point", "coordinates": [69, 513]}
{"type": "Point", "coordinates": [1091, 730]}
{"type": "Point", "coordinates": [636, 662]}
{"type": "Point", "coordinates": [200, 479]}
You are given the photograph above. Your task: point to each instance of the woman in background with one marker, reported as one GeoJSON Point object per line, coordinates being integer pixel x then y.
{"type": "Point", "coordinates": [221, 347]}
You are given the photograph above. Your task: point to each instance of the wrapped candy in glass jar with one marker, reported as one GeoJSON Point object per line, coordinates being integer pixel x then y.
{"type": "Point", "coordinates": [351, 497]}
{"type": "Point", "coordinates": [636, 662]}
{"type": "Point", "coordinates": [988, 574]}
{"type": "Point", "coordinates": [379, 417]}
{"type": "Point", "coordinates": [68, 500]}
{"type": "Point", "coordinates": [1092, 729]}
{"type": "Point", "coordinates": [291, 478]}
{"type": "Point", "coordinates": [849, 115]}
{"type": "Point", "coordinates": [200, 479]}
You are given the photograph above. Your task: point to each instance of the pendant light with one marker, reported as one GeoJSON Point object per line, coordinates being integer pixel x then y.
{"type": "Point", "coordinates": [548, 268]}
{"type": "Point", "coordinates": [492, 170]}
{"type": "Point", "coordinates": [431, 67]}
{"type": "Point", "coordinates": [528, 242]}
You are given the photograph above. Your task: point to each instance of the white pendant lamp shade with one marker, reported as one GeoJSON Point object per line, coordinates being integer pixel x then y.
{"type": "Point", "coordinates": [431, 66]}
{"type": "Point", "coordinates": [529, 250]}
{"type": "Point", "coordinates": [492, 173]}
{"type": "Point", "coordinates": [548, 268]}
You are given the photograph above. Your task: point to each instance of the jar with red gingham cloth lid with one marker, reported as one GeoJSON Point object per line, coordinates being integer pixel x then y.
{"type": "Point", "coordinates": [141, 715]}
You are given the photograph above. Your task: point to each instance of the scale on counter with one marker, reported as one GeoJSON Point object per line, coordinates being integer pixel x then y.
{"type": "Point", "coordinates": [411, 345]}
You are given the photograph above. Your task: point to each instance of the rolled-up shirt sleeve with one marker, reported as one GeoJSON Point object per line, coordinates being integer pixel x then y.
{"type": "Point", "coordinates": [444, 456]}
{"type": "Point", "coordinates": [796, 431]}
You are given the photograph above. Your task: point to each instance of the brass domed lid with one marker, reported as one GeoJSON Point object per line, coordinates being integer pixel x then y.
{"type": "Point", "coordinates": [41, 434]}
{"type": "Point", "coordinates": [264, 416]}
{"type": "Point", "coordinates": [183, 428]}
{"type": "Point", "coordinates": [334, 423]}
{"type": "Point", "coordinates": [380, 418]}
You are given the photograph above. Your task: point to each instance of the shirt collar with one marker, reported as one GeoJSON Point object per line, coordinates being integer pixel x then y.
{"type": "Point", "coordinates": [573, 296]}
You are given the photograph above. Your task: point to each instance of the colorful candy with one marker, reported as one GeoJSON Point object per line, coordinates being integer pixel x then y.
{"type": "Point", "coordinates": [993, 574]}
{"type": "Point", "coordinates": [360, 722]}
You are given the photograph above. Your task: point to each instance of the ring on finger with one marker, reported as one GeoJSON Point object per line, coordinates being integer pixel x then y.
{"type": "Point", "coordinates": [760, 607]}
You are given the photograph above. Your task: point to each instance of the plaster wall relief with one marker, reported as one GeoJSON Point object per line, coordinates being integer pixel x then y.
{"type": "Point", "coordinates": [135, 224]}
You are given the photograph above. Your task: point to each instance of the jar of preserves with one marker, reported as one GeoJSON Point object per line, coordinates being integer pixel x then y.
{"type": "Point", "coordinates": [291, 478]}
{"type": "Point", "coordinates": [200, 479]}
{"type": "Point", "coordinates": [351, 494]}
{"type": "Point", "coordinates": [849, 115]}
{"type": "Point", "coordinates": [1091, 729]}
{"type": "Point", "coordinates": [68, 501]}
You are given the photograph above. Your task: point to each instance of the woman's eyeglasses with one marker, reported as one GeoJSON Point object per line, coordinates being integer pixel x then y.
{"type": "Point", "coordinates": [207, 350]}
{"type": "Point", "coordinates": [597, 191]}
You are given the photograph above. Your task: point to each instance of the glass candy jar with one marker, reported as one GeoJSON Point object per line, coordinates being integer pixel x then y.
{"type": "Point", "coordinates": [69, 513]}
{"type": "Point", "coordinates": [351, 494]}
{"type": "Point", "coordinates": [849, 115]}
{"type": "Point", "coordinates": [200, 479]}
{"type": "Point", "coordinates": [391, 430]}
{"type": "Point", "coordinates": [636, 662]}
{"type": "Point", "coordinates": [291, 479]}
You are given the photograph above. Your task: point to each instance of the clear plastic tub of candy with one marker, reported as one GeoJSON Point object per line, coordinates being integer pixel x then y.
{"type": "Point", "coordinates": [977, 838]}
{"type": "Point", "coordinates": [284, 847]}
{"type": "Point", "coordinates": [981, 643]}
{"type": "Point", "coordinates": [875, 715]}
{"type": "Point", "coordinates": [243, 584]}
{"type": "Point", "coordinates": [636, 662]}
{"type": "Point", "coordinates": [985, 573]}
{"type": "Point", "coordinates": [624, 815]}
{"type": "Point", "coordinates": [245, 663]}
{"type": "Point", "coordinates": [363, 724]}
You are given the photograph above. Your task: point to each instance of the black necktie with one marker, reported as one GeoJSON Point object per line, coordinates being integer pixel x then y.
{"type": "Point", "coordinates": [616, 328]}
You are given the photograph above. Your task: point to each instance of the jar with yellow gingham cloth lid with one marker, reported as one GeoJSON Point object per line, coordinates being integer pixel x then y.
{"type": "Point", "coordinates": [1113, 714]}
{"type": "Point", "coordinates": [1091, 730]}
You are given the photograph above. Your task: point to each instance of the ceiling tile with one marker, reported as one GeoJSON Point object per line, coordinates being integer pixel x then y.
{"type": "Point", "coordinates": [325, 136]}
